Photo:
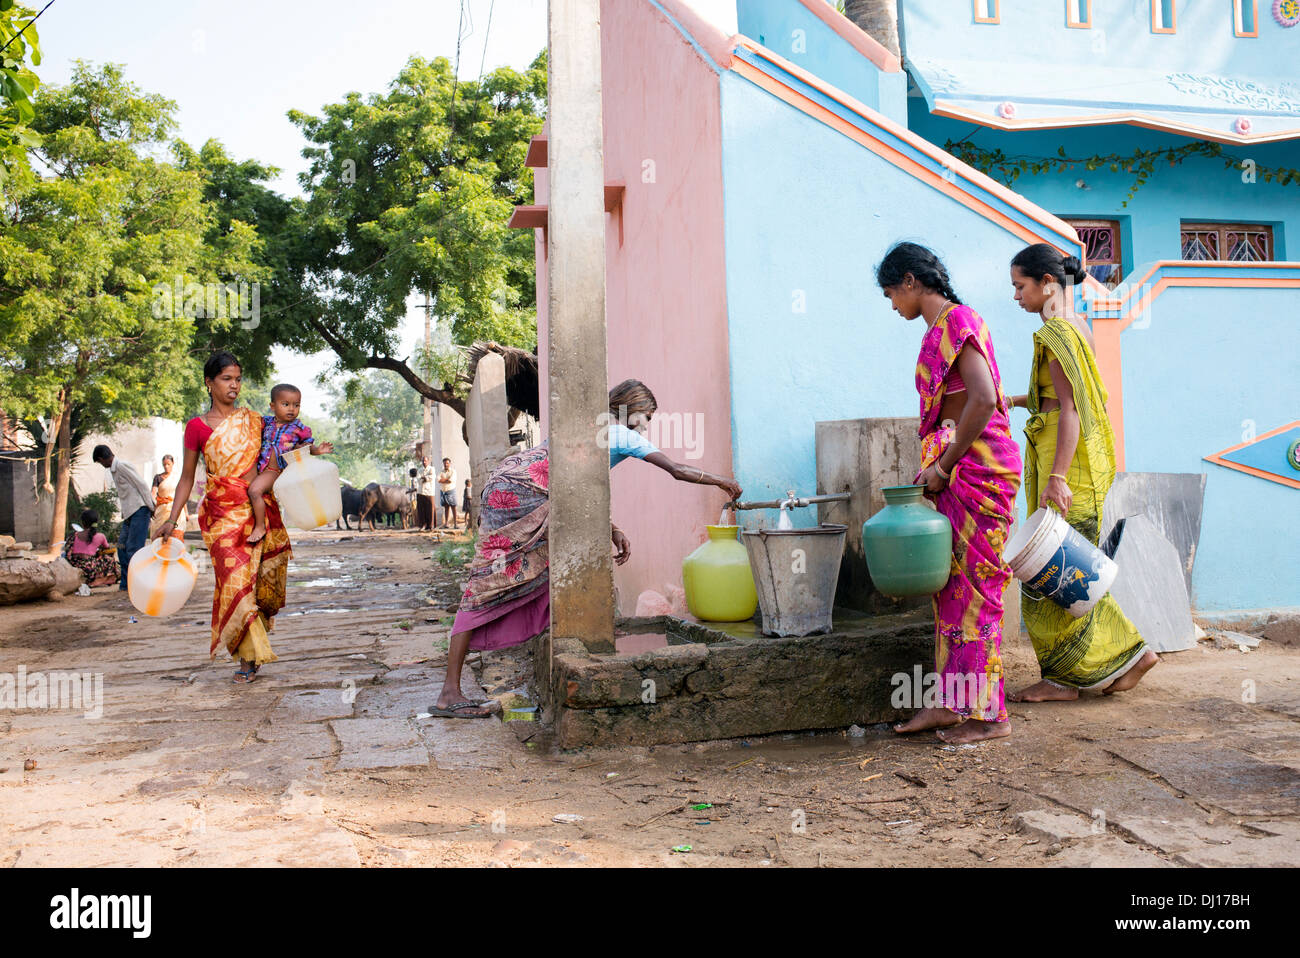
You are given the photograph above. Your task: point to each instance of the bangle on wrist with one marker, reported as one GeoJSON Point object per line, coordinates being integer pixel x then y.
{"type": "Point", "coordinates": [1057, 475]}
{"type": "Point", "coordinates": [945, 476]}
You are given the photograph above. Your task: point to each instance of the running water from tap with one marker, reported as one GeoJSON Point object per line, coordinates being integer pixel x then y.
{"type": "Point", "coordinates": [784, 522]}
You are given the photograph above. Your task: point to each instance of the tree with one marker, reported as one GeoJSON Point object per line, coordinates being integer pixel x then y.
{"type": "Point", "coordinates": [86, 256]}
{"type": "Point", "coordinates": [410, 192]}
{"type": "Point", "coordinates": [19, 42]}
{"type": "Point", "coordinates": [877, 18]}
{"type": "Point", "coordinates": [236, 193]}
{"type": "Point", "coordinates": [377, 417]}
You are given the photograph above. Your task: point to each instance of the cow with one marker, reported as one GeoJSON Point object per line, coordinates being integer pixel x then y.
{"type": "Point", "coordinates": [351, 496]}
{"type": "Point", "coordinates": [380, 499]}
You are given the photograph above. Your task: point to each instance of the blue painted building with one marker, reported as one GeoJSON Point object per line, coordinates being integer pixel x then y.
{"type": "Point", "coordinates": [1196, 357]}
{"type": "Point", "coordinates": [813, 148]}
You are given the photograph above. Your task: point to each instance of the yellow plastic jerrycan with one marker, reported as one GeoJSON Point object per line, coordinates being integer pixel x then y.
{"type": "Point", "coordinates": [718, 580]}
{"type": "Point", "coordinates": [308, 490]}
{"type": "Point", "coordinates": [161, 577]}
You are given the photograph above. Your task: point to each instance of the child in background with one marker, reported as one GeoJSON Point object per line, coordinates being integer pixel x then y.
{"type": "Point", "coordinates": [89, 551]}
{"type": "Point", "coordinates": [282, 432]}
{"type": "Point", "coordinates": [464, 504]}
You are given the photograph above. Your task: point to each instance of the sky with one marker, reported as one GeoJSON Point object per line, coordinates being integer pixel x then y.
{"type": "Point", "coordinates": [235, 68]}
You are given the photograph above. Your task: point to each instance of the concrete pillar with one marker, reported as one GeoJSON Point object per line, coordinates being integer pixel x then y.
{"type": "Point", "coordinates": [486, 420]}
{"type": "Point", "coordinates": [862, 457]}
{"type": "Point", "coordinates": [582, 577]}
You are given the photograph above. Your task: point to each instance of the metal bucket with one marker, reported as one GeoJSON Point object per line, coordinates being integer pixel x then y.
{"type": "Point", "coordinates": [795, 573]}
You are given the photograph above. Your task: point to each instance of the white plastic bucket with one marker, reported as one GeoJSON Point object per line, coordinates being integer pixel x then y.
{"type": "Point", "coordinates": [1055, 562]}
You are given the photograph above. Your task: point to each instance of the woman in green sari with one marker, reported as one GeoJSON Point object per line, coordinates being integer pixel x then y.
{"type": "Point", "coordinates": [1069, 465]}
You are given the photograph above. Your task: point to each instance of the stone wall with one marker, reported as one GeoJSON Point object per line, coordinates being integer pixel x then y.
{"type": "Point", "coordinates": [719, 685]}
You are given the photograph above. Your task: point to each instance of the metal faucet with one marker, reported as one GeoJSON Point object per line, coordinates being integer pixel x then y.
{"type": "Point", "coordinates": [792, 501]}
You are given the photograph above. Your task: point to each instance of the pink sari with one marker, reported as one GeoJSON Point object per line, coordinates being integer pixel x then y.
{"type": "Point", "coordinates": [979, 501]}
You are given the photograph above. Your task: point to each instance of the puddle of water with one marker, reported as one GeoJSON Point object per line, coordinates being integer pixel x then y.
{"type": "Point", "coordinates": [343, 582]}
{"type": "Point", "coordinates": [635, 644]}
{"type": "Point", "coordinates": [317, 611]}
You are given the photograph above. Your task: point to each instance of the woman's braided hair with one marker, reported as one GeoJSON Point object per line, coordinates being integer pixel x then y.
{"type": "Point", "coordinates": [913, 258]}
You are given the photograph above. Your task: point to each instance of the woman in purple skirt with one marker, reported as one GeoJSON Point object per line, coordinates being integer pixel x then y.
{"type": "Point", "coordinates": [507, 600]}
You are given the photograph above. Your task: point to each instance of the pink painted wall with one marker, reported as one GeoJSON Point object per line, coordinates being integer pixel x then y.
{"type": "Point", "coordinates": [666, 303]}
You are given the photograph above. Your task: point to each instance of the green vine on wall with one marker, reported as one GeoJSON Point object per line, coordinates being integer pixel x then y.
{"type": "Point", "coordinates": [1141, 164]}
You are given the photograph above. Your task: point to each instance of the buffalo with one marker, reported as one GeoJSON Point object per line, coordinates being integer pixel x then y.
{"type": "Point", "coordinates": [351, 496]}
{"type": "Point", "coordinates": [380, 499]}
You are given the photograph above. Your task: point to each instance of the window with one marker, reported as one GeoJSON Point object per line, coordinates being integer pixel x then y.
{"type": "Point", "coordinates": [986, 11]}
{"type": "Point", "coordinates": [1102, 251]}
{"type": "Point", "coordinates": [1164, 18]}
{"type": "Point", "coordinates": [1245, 18]}
{"type": "Point", "coordinates": [1234, 242]}
{"type": "Point", "coordinates": [1078, 14]}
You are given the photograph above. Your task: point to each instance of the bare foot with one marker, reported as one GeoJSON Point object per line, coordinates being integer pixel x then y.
{"type": "Point", "coordinates": [974, 731]}
{"type": "Point", "coordinates": [256, 536]}
{"type": "Point", "coordinates": [1134, 675]}
{"type": "Point", "coordinates": [1044, 691]}
{"type": "Point", "coordinates": [928, 719]}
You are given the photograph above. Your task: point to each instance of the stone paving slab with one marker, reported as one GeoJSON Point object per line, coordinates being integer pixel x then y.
{"type": "Point", "coordinates": [467, 744]}
{"type": "Point", "coordinates": [378, 743]}
{"type": "Point", "coordinates": [1182, 835]}
{"type": "Point", "coordinates": [1221, 775]}
{"type": "Point", "coordinates": [1056, 826]}
{"type": "Point", "coordinates": [312, 705]}
{"type": "Point", "coordinates": [1107, 851]}
{"type": "Point", "coordinates": [1280, 850]}
{"type": "Point", "coordinates": [1116, 792]}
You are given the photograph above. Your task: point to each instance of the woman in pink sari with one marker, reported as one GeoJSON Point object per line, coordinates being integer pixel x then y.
{"type": "Point", "coordinates": [970, 466]}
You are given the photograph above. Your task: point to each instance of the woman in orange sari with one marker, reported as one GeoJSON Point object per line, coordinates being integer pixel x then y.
{"type": "Point", "coordinates": [250, 586]}
{"type": "Point", "coordinates": [164, 492]}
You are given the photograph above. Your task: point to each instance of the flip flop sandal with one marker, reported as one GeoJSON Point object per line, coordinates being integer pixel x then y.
{"type": "Point", "coordinates": [248, 676]}
{"type": "Point", "coordinates": [455, 711]}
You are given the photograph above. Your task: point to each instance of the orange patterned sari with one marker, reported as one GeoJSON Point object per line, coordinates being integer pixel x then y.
{"type": "Point", "coordinates": [250, 580]}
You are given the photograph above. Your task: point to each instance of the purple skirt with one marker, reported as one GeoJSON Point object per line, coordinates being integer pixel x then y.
{"type": "Point", "coordinates": [511, 623]}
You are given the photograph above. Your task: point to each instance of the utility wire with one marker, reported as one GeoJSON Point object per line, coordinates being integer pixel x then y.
{"type": "Point", "coordinates": [486, 33]}
{"type": "Point", "coordinates": [25, 26]}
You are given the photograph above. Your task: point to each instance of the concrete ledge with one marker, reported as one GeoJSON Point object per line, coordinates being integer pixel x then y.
{"type": "Point", "coordinates": [711, 683]}
{"type": "Point", "coordinates": [1280, 625]}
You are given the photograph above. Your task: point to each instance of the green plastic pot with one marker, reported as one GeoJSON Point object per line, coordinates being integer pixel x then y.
{"type": "Point", "coordinates": [908, 545]}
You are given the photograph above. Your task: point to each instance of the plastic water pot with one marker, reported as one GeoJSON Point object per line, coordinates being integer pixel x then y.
{"type": "Point", "coordinates": [308, 491]}
{"type": "Point", "coordinates": [796, 571]}
{"type": "Point", "coordinates": [1054, 562]}
{"type": "Point", "coordinates": [719, 585]}
{"type": "Point", "coordinates": [161, 577]}
{"type": "Point", "coordinates": [908, 545]}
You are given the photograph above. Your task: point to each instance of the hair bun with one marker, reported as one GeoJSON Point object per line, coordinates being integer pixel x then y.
{"type": "Point", "coordinates": [1073, 268]}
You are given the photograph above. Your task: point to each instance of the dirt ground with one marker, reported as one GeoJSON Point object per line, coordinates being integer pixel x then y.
{"type": "Point", "coordinates": [324, 760]}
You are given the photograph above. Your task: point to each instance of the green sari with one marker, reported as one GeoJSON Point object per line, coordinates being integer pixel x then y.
{"type": "Point", "coordinates": [1096, 649]}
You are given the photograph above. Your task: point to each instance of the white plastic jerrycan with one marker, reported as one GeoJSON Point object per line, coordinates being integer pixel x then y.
{"type": "Point", "coordinates": [308, 490]}
{"type": "Point", "coordinates": [161, 577]}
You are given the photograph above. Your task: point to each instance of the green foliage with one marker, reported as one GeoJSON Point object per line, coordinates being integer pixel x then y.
{"type": "Point", "coordinates": [378, 418]}
{"type": "Point", "coordinates": [410, 191]}
{"type": "Point", "coordinates": [82, 250]}
{"type": "Point", "coordinates": [1142, 163]}
{"type": "Point", "coordinates": [454, 555]}
{"type": "Point", "coordinates": [104, 503]}
{"type": "Point", "coordinates": [241, 204]}
{"type": "Point", "coordinates": [21, 44]}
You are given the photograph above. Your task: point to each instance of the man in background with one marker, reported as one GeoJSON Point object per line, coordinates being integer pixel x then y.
{"type": "Point", "coordinates": [424, 496]}
{"type": "Point", "coordinates": [447, 494]}
{"type": "Point", "coordinates": [135, 502]}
